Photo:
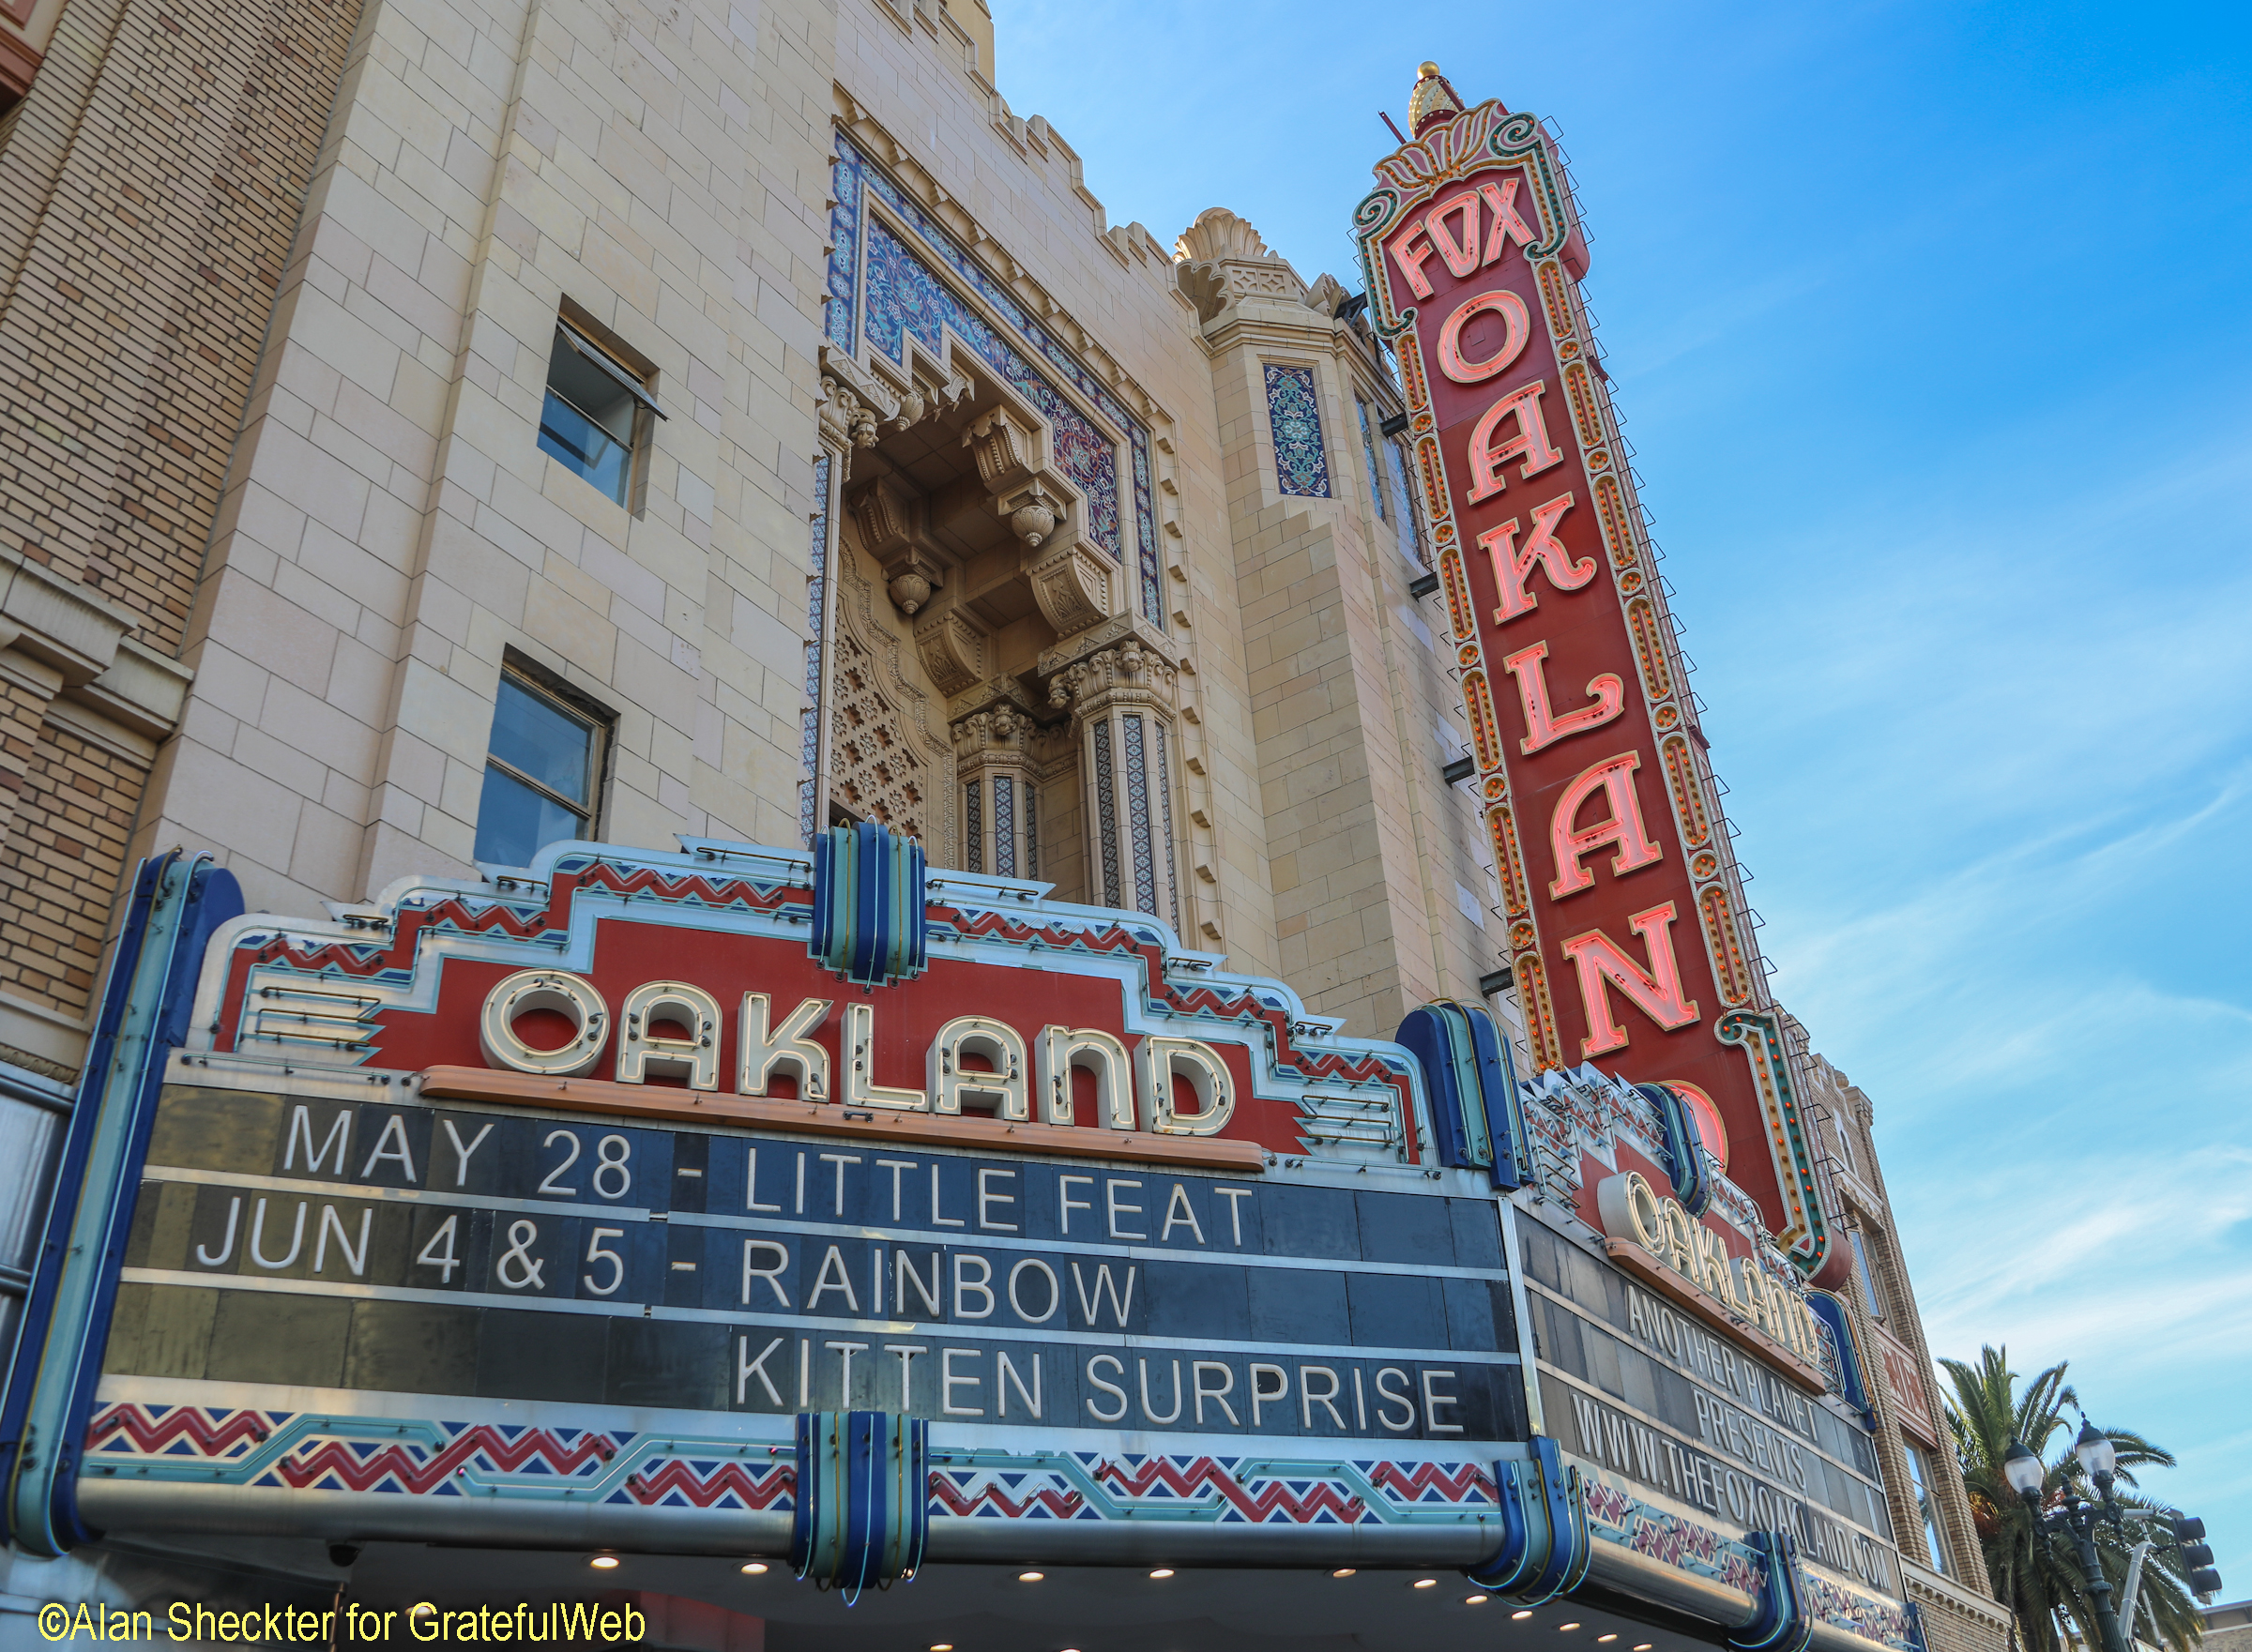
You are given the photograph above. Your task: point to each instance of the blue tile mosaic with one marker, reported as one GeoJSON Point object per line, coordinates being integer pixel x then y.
{"type": "Point", "coordinates": [816, 614]}
{"type": "Point", "coordinates": [1106, 809]}
{"type": "Point", "coordinates": [1137, 818]}
{"type": "Point", "coordinates": [905, 297]}
{"type": "Point", "coordinates": [1165, 793]}
{"type": "Point", "coordinates": [902, 291]}
{"type": "Point", "coordinates": [1031, 830]}
{"type": "Point", "coordinates": [1301, 466]}
{"type": "Point", "coordinates": [973, 797]}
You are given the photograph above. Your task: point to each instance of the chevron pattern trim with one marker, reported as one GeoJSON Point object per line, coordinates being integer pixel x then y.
{"type": "Point", "coordinates": [304, 1452]}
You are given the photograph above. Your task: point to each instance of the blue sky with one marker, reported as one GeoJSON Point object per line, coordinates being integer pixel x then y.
{"type": "Point", "coordinates": [1932, 327]}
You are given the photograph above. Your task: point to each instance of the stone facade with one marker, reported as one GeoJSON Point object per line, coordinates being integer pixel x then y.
{"type": "Point", "coordinates": [1083, 556]}
{"type": "Point", "coordinates": [1039, 451]}
{"type": "Point", "coordinates": [1945, 1570]}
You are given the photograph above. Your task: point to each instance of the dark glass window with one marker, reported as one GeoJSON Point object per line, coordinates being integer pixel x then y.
{"type": "Point", "coordinates": [542, 773]}
{"type": "Point", "coordinates": [592, 420]}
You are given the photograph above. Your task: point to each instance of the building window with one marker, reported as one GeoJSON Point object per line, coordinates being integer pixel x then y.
{"type": "Point", "coordinates": [1871, 1291]}
{"type": "Point", "coordinates": [542, 773]}
{"type": "Point", "coordinates": [1919, 1476]}
{"type": "Point", "coordinates": [598, 414]}
{"type": "Point", "coordinates": [1368, 447]}
{"type": "Point", "coordinates": [1404, 521]}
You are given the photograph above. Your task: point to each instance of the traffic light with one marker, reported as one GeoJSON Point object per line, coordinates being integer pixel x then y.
{"type": "Point", "coordinates": [2196, 1555]}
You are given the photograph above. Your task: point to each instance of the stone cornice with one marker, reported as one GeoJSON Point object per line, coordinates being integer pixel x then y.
{"type": "Point", "coordinates": [1945, 1593]}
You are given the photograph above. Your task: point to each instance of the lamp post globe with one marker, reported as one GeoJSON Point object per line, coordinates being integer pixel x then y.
{"type": "Point", "coordinates": [2099, 1458]}
{"type": "Point", "coordinates": [2025, 1472]}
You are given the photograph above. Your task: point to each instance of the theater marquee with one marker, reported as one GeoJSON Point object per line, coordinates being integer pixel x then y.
{"type": "Point", "coordinates": [738, 1202]}
{"type": "Point", "coordinates": [1627, 937]}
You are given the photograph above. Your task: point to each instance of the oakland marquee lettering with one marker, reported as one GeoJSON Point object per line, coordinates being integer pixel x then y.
{"type": "Point", "coordinates": [977, 1064]}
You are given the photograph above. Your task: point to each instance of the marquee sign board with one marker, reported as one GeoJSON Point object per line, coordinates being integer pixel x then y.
{"type": "Point", "coordinates": [1659, 1402]}
{"type": "Point", "coordinates": [741, 1202]}
{"type": "Point", "coordinates": [1627, 936]}
{"type": "Point", "coordinates": [551, 1212]}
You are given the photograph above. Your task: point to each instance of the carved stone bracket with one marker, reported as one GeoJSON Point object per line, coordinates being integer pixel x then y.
{"type": "Point", "coordinates": [1008, 450]}
{"type": "Point", "coordinates": [894, 523]}
{"type": "Point", "coordinates": [953, 650]}
{"type": "Point", "coordinates": [1074, 584]}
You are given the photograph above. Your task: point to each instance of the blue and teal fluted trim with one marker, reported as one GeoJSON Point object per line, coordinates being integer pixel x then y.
{"type": "Point", "coordinates": [1475, 1110]}
{"type": "Point", "coordinates": [1852, 1380]}
{"type": "Point", "coordinates": [177, 900]}
{"type": "Point", "coordinates": [868, 894]}
{"type": "Point", "coordinates": [1782, 1624]}
{"type": "Point", "coordinates": [1544, 1550]}
{"type": "Point", "coordinates": [1684, 1148]}
{"type": "Point", "coordinates": [863, 1514]}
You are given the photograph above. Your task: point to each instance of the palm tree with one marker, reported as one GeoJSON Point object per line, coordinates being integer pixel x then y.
{"type": "Point", "coordinates": [2038, 1575]}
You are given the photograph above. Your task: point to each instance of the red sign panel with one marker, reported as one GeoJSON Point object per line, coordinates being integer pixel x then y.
{"type": "Point", "coordinates": [1625, 931]}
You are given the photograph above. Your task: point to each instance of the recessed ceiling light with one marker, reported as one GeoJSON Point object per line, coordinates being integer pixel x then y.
{"type": "Point", "coordinates": [603, 1562]}
{"type": "Point", "coordinates": [1645, 1646]}
{"type": "Point", "coordinates": [755, 1569]}
{"type": "Point", "coordinates": [1564, 1628]}
{"type": "Point", "coordinates": [1604, 1639]}
{"type": "Point", "coordinates": [1030, 1577]}
{"type": "Point", "coordinates": [1343, 1571]}
{"type": "Point", "coordinates": [1424, 1584]}
{"type": "Point", "coordinates": [1521, 1616]}
{"type": "Point", "coordinates": [1474, 1599]}
{"type": "Point", "coordinates": [1162, 1571]}
{"type": "Point", "coordinates": [943, 1646]}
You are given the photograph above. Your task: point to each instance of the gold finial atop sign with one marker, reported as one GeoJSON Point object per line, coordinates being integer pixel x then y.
{"type": "Point", "coordinates": [1432, 101]}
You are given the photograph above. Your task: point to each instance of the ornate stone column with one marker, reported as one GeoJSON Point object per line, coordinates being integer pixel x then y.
{"type": "Point", "coordinates": [1120, 686]}
{"type": "Point", "coordinates": [996, 791]}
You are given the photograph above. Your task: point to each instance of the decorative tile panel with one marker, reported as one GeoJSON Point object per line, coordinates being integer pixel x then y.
{"type": "Point", "coordinates": [1031, 830]}
{"type": "Point", "coordinates": [973, 798]}
{"type": "Point", "coordinates": [905, 297]}
{"type": "Point", "coordinates": [1004, 827]}
{"type": "Point", "coordinates": [1301, 466]}
{"type": "Point", "coordinates": [1164, 794]}
{"type": "Point", "coordinates": [816, 615]}
{"type": "Point", "coordinates": [1106, 813]}
{"type": "Point", "coordinates": [1138, 817]}
{"type": "Point", "coordinates": [901, 292]}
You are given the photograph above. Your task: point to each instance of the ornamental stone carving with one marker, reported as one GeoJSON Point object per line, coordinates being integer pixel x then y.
{"type": "Point", "coordinates": [998, 776]}
{"type": "Point", "coordinates": [1073, 585]}
{"type": "Point", "coordinates": [1128, 673]}
{"type": "Point", "coordinates": [952, 651]}
{"type": "Point", "coordinates": [894, 523]}
{"type": "Point", "coordinates": [1218, 234]}
{"type": "Point", "coordinates": [1222, 259]}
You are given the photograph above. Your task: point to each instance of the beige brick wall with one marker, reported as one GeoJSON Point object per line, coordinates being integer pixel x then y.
{"type": "Point", "coordinates": [61, 865]}
{"type": "Point", "coordinates": [150, 186]}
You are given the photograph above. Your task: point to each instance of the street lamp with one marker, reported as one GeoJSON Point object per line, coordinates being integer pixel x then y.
{"type": "Point", "coordinates": [2099, 1461]}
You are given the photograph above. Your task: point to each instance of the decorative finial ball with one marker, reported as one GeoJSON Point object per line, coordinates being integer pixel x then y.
{"type": "Point", "coordinates": [1426, 71]}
